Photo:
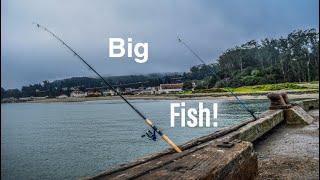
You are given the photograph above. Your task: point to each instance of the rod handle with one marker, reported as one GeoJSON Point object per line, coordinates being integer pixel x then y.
{"type": "Point", "coordinates": [172, 144]}
{"type": "Point", "coordinates": [165, 138]}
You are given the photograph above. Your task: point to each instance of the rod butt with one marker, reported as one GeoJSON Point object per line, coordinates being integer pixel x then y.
{"type": "Point", "coordinates": [172, 144]}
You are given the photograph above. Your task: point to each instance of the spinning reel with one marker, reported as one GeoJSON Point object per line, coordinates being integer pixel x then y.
{"type": "Point", "coordinates": [150, 135]}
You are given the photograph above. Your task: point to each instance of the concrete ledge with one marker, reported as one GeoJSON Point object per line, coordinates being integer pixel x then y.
{"type": "Point", "coordinates": [258, 128]}
{"type": "Point", "coordinates": [297, 115]}
{"type": "Point", "coordinates": [206, 162]}
{"type": "Point", "coordinates": [308, 104]}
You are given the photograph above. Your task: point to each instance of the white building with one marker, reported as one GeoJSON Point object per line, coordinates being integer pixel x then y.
{"type": "Point", "coordinates": [26, 99]}
{"type": "Point", "coordinates": [169, 88]}
{"type": "Point", "coordinates": [78, 94]}
{"type": "Point", "coordinates": [149, 90]}
{"type": "Point", "coordinates": [108, 93]}
{"type": "Point", "coordinates": [62, 96]}
{"type": "Point", "coordinates": [194, 85]}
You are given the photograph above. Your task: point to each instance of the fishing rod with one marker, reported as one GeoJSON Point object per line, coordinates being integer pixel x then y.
{"type": "Point", "coordinates": [146, 120]}
{"type": "Point", "coordinates": [242, 104]}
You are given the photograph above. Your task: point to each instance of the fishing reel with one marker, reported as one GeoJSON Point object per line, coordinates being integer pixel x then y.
{"type": "Point", "coordinates": [151, 135]}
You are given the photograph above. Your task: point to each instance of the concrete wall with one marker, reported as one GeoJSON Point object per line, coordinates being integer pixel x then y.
{"type": "Point", "coordinates": [258, 128]}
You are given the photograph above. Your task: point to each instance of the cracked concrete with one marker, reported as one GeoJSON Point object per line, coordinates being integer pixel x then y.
{"type": "Point", "coordinates": [290, 152]}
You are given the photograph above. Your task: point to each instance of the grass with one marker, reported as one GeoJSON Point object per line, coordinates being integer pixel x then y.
{"type": "Point", "coordinates": [185, 92]}
{"type": "Point", "coordinates": [279, 86]}
{"type": "Point", "coordinates": [314, 85]}
{"type": "Point", "coordinates": [211, 90]}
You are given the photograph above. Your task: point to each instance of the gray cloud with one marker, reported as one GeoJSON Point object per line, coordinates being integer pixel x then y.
{"type": "Point", "coordinates": [30, 55]}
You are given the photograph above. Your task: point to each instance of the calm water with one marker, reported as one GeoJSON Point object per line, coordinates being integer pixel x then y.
{"type": "Point", "coordinates": [73, 140]}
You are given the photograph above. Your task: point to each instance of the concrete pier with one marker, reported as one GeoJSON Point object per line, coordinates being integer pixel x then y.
{"type": "Point", "coordinates": [290, 151]}
{"type": "Point", "coordinates": [226, 154]}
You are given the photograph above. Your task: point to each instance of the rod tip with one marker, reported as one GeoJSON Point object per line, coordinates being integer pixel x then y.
{"type": "Point", "coordinates": [179, 39]}
{"type": "Point", "coordinates": [38, 25]}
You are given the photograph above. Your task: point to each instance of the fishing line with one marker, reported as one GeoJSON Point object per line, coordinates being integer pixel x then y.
{"type": "Point", "coordinates": [147, 121]}
{"type": "Point", "coordinates": [242, 104]}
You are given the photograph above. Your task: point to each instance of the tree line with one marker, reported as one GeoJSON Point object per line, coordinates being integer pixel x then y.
{"type": "Point", "coordinates": [66, 86]}
{"type": "Point", "coordinates": [294, 58]}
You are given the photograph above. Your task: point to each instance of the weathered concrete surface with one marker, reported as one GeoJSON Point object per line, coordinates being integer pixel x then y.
{"type": "Point", "coordinates": [309, 104]}
{"type": "Point", "coordinates": [200, 162]}
{"type": "Point", "coordinates": [297, 115]}
{"type": "Point", "coordinates": [201, 158]}
{"type": "Point", "coordinates": [256, 129]}
{"type": "Point", "coordinates": [290, 152]}
{"type": "Point", "coordinates": [198, 142]}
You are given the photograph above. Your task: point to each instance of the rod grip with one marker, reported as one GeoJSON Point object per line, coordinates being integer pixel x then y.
{"type": "Point", "coordinates": [165, 137]}
{"type": "Point", "coordinates": [172, 144]}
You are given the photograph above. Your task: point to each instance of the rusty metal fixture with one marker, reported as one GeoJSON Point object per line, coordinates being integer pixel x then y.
{"type": "Point", "coordinates": [279, 100]}
{"type": "Point", "coordinates": [225, 144]}
{"type": "Point", "coordinates": [285, 97]}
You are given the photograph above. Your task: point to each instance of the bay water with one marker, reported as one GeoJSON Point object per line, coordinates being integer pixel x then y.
{"type": "Point", "coordinates": [80, 139]}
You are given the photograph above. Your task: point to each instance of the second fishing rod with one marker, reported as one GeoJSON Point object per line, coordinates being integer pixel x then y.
{"type": "Point", "coordinates": [242, 104]}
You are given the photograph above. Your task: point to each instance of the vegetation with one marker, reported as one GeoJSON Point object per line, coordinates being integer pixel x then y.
{"type": "Point", "coordinates": [210, 90]}
{"type": "Point", "coordinates": [291, 59]}
{"type": "Point", "coordinates": [273, 87]}
{"type": "Point", "coordinates": [252, 66]}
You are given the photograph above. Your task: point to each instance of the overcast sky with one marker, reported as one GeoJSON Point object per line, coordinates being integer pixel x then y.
{"type": "Point", "coordinates": [29, 55]}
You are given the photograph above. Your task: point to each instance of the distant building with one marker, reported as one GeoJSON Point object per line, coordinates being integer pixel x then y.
{"type": "Point", "coordinates": [62, 96]}
{"type": "Point", "coordinates": [169, 88]}
{"type": "Point", "coordinates": [41, 97]}
{"type": "Point", "coordinates": [78, 94]}
{"type": "Point", "coordinates": [25, 99]}
{"type": "Point", "coordinates": [132, 91]}
{"type": "Point", "coordinates": [93, 94]}
{"type": "Point", "coordinates": [128, 90]}
{"type": "Point", "coordinates": [118, 89]}
{"type": "Point", "coordinates": [9, 100]}
{"type": "Point", "coordinates": [108, 93]}
{"type": "Point", "coordinates": [149, 90]}
{"type": "Point", "coordinates": [193, 86]}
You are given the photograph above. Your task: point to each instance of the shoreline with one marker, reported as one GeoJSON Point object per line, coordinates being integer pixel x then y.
{"type": "Point", "coordinates": [199, 96]}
